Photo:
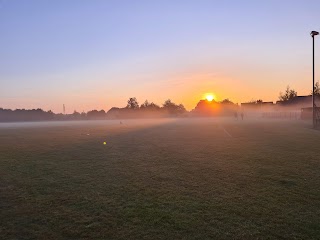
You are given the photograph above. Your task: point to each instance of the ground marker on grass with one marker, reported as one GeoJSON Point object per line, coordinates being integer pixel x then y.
{"type": "Point", "coordinates": [104, 143]}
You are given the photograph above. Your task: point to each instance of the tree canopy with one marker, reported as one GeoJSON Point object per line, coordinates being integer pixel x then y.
{"type": "Point", "coordinates": [132, 103]}
{"type": "Point", "coordinates": [173, 108]}
{"type": "Point", "coordinates": [226, 101]}
{"type": "Point", "coordinates": [288, 94]}
{"type": "Point", "coordinates": [316, 89]}
{"type": "Point", "coordinates": [149, 106]}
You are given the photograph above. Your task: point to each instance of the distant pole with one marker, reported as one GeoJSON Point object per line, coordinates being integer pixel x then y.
{"type": "Point", "coordinates": [313, 33]}
{"type": "Point", "coordinates": [64, 110]}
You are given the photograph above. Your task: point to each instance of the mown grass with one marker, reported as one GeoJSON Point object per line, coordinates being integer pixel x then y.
{"type": "Point", "coordinates": [164, 179]}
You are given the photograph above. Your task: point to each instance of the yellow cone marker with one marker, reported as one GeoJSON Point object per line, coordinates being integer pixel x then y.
{"type": "Point", "coordinates": [104, 143]}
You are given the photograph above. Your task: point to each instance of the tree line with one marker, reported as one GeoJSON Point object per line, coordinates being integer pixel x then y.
{"type": "Point", "coordinates": [131, 110]}
{"type": "Point", "coordinates": [147, 109]}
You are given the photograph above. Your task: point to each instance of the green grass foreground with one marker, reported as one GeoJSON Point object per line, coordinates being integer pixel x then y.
{"type": "Point", "coordinates": [160, 179]}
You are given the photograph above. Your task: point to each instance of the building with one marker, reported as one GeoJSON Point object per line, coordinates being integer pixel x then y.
{"type": "Point", "coordinates": [297, 103]}
{"type": "Point", "coordinates": [259, 106]}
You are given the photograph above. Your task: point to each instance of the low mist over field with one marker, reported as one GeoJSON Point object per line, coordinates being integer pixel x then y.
{"type": "Point", "coordinates": [160, 178]}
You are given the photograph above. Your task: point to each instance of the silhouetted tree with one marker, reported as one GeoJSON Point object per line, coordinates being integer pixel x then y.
{"type": "Point", "coordinates": [173, 108]}
{"type": "Point", "coordinates": [83, 115]}
{"type": "Point", "coordinates": [168, 104]}
{"type": "Point", "coordinates": [288, 94]}
{"type": "Point", "coordinates": [207, 108]}
{"type": "Point", "coordinates": [153, 106]}
{"type": "Point", "coordinates": [181, 109]}
{"type": "Point", "coordinates": [8, 115]}
{"type": "Point", "coordinates": [145, 104]}
{"type": "Point", "coordinates": [76, 115]}
{"type": "Point", "coordinates": [94, 114]}
{"type": "Point", "coordinates": [132, 103]}
{"type": "Point", "coordinates": [316, 89]}
{"type": "Point", "coordinates": [227, 107]}
{"type": "Point", "coordinates": [226, 101]}
{"type": "Point", "coordinates": [149, 106]}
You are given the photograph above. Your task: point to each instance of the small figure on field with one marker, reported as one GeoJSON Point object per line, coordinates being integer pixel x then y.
{"type": "Point", "coordinates": [242, 116]}
{"type": "Point", "coordinates": [236, 115]}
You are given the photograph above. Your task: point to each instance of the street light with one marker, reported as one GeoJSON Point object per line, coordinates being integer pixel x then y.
{"type": "Point", "coordinates": [313, 33]}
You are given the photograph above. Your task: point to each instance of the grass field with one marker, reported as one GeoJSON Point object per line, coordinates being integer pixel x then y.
{"type": "Point", "coordinates": [160, 179]}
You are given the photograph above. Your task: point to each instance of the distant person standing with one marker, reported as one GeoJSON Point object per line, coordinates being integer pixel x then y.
{"type": "Point", "coordinates": [236, 115]}
{"type": "Point", "coordinates": [242, 116]}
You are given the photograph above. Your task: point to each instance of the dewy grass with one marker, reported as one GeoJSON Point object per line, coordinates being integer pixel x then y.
{"type": "Point", "coordinates": [160, 179]}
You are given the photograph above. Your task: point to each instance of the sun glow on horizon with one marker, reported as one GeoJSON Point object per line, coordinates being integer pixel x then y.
{"type": "Point", "coordinates": [209, 97]}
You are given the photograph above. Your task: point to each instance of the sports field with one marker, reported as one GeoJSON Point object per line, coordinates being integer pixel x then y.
{"type": "Point", "coordinates": [160, 179]}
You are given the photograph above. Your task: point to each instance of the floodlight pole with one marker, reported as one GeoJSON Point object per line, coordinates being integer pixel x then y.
{"type": "Point", "coordinates": [313, 33]}
{"type": "Point", "coordinates": [313, 112]}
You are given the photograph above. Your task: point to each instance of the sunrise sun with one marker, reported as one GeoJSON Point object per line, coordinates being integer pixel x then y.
{"type": "Point", "coordinates": [209, 97]}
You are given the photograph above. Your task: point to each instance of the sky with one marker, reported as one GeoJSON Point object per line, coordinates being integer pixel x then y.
{"type": "Point", "coordinates": [96, 54]}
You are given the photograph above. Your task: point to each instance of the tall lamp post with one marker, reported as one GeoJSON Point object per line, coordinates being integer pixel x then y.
{"type": "Point", "coordinates": [313, 33]}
